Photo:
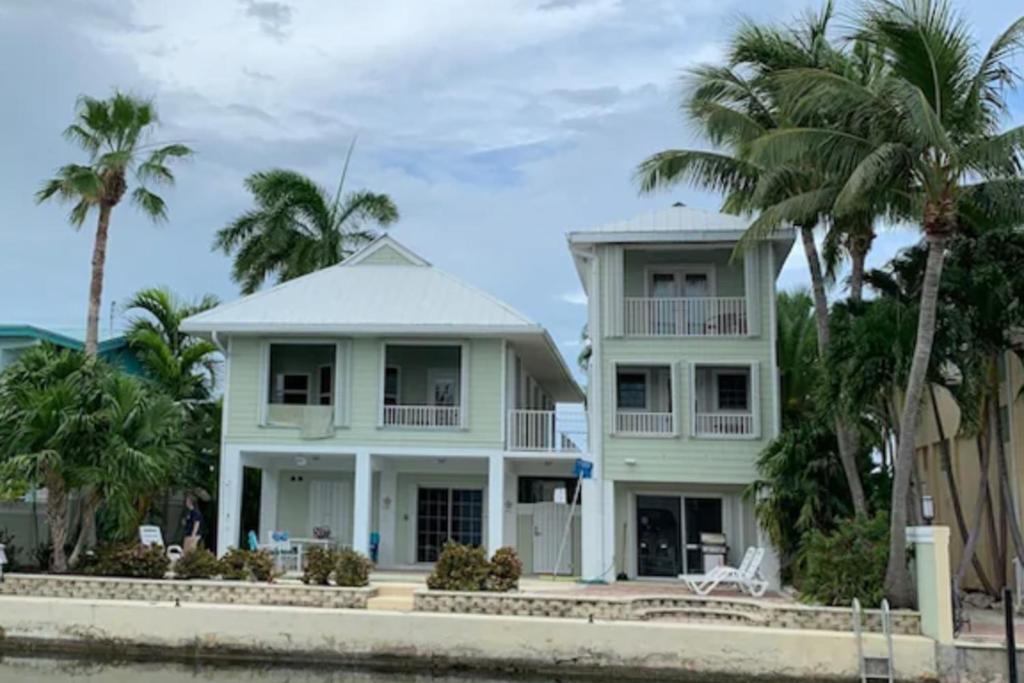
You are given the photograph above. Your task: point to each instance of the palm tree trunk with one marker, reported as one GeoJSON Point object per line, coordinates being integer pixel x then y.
{"type": "Point", "coordinates": [847, 455]}
{"type": "Point", "coordinates": [99, 258]}
{"type": "Point", "coordinates": [57, 519]}
{"type": "Point", "coordinates": [859, 248]}
{"type": "Point", "coordinates": [954, 493]}
{"type": "Point", "coordinates": [984, 455]}
{"type": "Point", "coordinates": [898, 586]}
{"type": "Point", "coordinates": [88, 527]}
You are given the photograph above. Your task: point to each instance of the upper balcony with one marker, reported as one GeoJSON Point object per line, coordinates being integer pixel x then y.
{"type": "Point", "coordinates": [674, 292]}
{"type": "Point", "coordinates": [422, 386]}
{"type": "Point", "coordinates": [301, 387]}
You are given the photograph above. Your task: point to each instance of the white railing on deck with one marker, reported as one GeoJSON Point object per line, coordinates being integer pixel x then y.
{"type": "Point", "coordinates": [643, 422]}
{"type": "Point", "coordinates": [537, 430]}
{"type": "Point", "coordinates": [421, 416]}
{"type": "Point", "coordinates": [685, 317]}
{"type": "Point", "coordinates": [724, 424]}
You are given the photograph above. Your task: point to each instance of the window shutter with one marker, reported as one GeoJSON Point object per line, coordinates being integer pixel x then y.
{"type": "Point", "coordinates": [755, 397]}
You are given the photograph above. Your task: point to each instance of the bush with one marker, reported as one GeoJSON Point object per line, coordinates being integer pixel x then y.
{"type": "Point", "coordinates": [10, 549]}
{"type": "Point", "coordinates": [505, 570]}
{"type": "Point", "coordinates": [247, 565]}
{"type": "Point", "coordinates": [127, 560]}
{"type": "Point", "coordinates": [320, 564]}
{"type": "Point", "coordinates": [352, 569]}
{"type": "Point", "coordinates": [459, 568]}
{"type": "Point", "coordinates": [199, 563]}
{"type": "Point", "coordinates": [836, 567]}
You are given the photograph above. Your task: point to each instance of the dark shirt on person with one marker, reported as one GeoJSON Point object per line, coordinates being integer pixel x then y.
{"type": "Point", "coordinates": [194, 517]}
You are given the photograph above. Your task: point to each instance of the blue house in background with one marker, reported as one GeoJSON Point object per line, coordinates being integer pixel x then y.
{"type": "Point", "coordinates": [16, 339]}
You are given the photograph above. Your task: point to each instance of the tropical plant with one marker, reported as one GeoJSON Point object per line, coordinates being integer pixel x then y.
{"type": "Point", "coordinates": [459, 568]}
{"type": "Point", "coordinates": [799, 371]}
{"type": "Point", "coordinates": [115, 134]}
{"type": "Point", "coordinates": [736, 105]}
{"type": "Point", "coordinates": [935, 152]}
{"type": "Point", "coordinates": [505, 570]}
{"type": "Point", "coordinates": [48, 402]}
{"type": "Point", "coordinates": [129, 560]}
{"type": "Point", "coordinates": [847, 563]}
{"type": "Point", "coordinates": [320, 565]}
{"type": "Point", "coordinates": [352, 569]}
{"type": "Point", "coordinates": [299, 227]}
{"type": "Point", "coordinates": [198, 563]}
{"type": "Point", "coordinates": [182, 364]}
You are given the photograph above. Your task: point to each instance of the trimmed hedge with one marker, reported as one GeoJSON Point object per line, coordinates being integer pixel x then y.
{"type": "Point", "coordinates": [847, 563]}
{"type": "Point", "coordinates": [466, 568]}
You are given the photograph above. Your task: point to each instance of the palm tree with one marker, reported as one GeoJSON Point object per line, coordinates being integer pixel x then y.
{"type": "Point", "coordinates": [114, 132]}
{"type": "Point", "coordinates": [799, 370]}
{"type": "Point", "coordinates": [182, 364]}
{"type": "Point", "coordinates": [936, 152]}
{"type": "Point", "coordinates": [299, 227]}
{"type": "Point", "coordinates": [48, 404]}
{"type": "Point", "coordinates": [736, 105]}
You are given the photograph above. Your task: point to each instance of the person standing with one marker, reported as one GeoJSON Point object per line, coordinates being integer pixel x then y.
{"type": "Point", "coordinates": [193, 524]}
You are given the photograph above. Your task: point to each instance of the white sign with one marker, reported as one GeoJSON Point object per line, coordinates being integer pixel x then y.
{"type": "Point", "coordinates": [560, 496]}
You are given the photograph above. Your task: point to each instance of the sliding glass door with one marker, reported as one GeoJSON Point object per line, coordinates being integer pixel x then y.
{"type": "Point", "coordinates": [444, 513]}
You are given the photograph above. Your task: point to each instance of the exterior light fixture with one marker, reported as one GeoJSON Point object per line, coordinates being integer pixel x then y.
{"type": "Point", "coordinates": [927, 509]}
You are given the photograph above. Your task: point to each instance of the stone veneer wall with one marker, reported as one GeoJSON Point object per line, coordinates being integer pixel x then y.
{"type": "Point", "coordinates": [166, 590]}
{"type": "Point", "coordinates": [748, 612]}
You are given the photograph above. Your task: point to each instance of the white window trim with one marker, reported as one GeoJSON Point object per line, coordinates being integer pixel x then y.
{"type": "Point", "coordinates": [680, 271]}
{"type": "Point", "coordinates": [308, 391]}
{"type": "Point", "coordinates": [735, 371]}
{"type": "Point", "coordinates": [342, 359]}
{"type": "Point", "coordinates": [644, 367]}
{"type": "Point", "coordinates": [727, 520]}
{"type": "Point", "coordinates": [753, 384]}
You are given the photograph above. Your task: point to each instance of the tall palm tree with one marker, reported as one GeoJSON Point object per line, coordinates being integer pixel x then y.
{"type": "Point", "coordinates": [799, 370]}
{"type": "Point", "coordinates": [298, 226]}
{"type": "Point", "coordinates": [734, 106]}
{"type": "Point", "coordinates": [936, 151]}
{"type": "Point", "coordinates": [182, 364]}
{"type": "Point", "coordinates": [115, 134]}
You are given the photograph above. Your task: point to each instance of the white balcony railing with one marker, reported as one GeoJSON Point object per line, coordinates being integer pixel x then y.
{"type": "Point", "coordinates": [537, 430]}
{"type": "Point", "coordinates": [644, 423]}
{"type": "Point", "coordinates": [422, 416]}
{"type": "Point", "coordinates": [724, 424]}
{"type": "Point", "coordinates": [685, 317]}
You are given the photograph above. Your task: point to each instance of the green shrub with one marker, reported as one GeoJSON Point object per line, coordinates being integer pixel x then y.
{"type": "Point", "coordinates": [320, 564]}
{"type": "Point", "coordinates": [127, 560]}
{"type": "Point", "coordinates": [199, 563]}
{"type": "Point", "coordinates": [459, 568]}
{"type": "Point", "coordinates": [234, 566]}
{"type": "Point", "coordinates": [505, 570]}
{"type": "Point", "coordinates": [352, 569]}
{"type": "Point", "coordinates": [261, 566]}
{"type": "Point", "coordinates": [834, 568]}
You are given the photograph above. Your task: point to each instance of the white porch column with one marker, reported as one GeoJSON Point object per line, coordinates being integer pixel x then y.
{"type": "Point", "coordinates": [611, 562]}
{"type": "Point", "coordinates": [268, 502]}
{"type": "Point", "coordinates": [592, 528]}
{"type": "Point", "coordinates": [387, 514]}
{"type": "Point", "coordinates": [495, 503]}
{"type": "Point", "coordinates": [361, 500]}
{"type": "Point", "coordinates": [229, 498]}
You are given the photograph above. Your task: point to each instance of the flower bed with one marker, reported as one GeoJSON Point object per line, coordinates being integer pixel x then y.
{"type": "Point", "coordinates": [734, 610]}
{"type": "Point", "coordinates": [162, 590]}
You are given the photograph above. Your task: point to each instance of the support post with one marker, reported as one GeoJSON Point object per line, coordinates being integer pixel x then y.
{"type": "Point", "coordinates": [592, 527]}
{"type": "Point", "coordinates": [934, 585]}
{"type": "Point", "coordinates": [268, 503]}
{"type": "Point", "coordinates": [495, 503]}
{"type": "Point", "coordinates": [229, 498]}
{"type": "Point", "coordinates": [387, 515]}
{"type": "Point", "coordinates": [363, 492]}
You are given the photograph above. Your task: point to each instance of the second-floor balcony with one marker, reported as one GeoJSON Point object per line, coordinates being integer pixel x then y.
{"type": "Point", "coordinates": [422, 386]}
{"type": "Point", "coordinates": [721, 316]}
{"type": "Point", "coordinates": [545, 430]}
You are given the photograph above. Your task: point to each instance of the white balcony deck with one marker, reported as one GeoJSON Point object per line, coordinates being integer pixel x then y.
{"type": "Point", "coordinates": [685, 317]}
{"type": "Point", "coordinates": [724, 425]}
{"type": "Point", "coordinates": [537, 430]}
{"type": "Point", "coordinates": [644, 423]}
{"type": "Point", "coordinates": [444, 417]}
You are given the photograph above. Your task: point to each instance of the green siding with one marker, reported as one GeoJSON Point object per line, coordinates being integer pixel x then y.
{"type": "Point", "coordinates": [684, 458]}
{"type": "Point", "coordinates": [728, 273]}
{"type": "Point", "coordinates": [484, 400]}
{"type": "Point", "coordinates": [388, 256]}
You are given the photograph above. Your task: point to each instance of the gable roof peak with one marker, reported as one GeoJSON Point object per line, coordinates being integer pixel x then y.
{"type": "Point", "coordinates": [378, 247]}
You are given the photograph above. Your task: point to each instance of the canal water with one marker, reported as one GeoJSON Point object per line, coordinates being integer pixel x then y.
{"type": "Point", "coordinates": [45, 670]}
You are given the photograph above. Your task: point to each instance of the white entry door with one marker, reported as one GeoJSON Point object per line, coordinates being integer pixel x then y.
{"type": "Point", "coordinates": [549, 521]}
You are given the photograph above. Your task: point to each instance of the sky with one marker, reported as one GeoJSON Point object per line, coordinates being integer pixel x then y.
{"type": "Point", "coordinates": [495, 125]}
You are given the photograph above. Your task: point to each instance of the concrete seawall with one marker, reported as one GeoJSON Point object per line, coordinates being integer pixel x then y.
{"type": "Point", "coordinates": [530, 644]}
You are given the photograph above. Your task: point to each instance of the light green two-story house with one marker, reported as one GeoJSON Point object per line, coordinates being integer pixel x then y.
{"type": "Point", "coordinates": [682, 391]}
{"type": "Point", "coordinates": [389, 406]}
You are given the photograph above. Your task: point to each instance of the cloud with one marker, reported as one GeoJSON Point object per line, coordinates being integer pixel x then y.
{"type": "Point", "coordinates": [577, 297]}
{"type": "Point", "coordinates": [274, 17]}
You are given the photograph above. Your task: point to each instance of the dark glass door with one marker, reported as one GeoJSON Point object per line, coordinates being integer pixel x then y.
{"type": "Point", "coordinates": [443, 514]}
{"type": "Point", "coordinates": [703, 515]}
{"type": "Point", "coordinates": [658, 536]}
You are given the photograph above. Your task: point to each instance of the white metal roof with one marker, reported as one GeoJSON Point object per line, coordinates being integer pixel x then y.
{"type": "Point", "coordinates": [676, 223]}
{"type": "Point", "coordinates": [385, 289]}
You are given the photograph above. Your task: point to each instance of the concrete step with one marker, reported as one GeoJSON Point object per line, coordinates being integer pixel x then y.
{"type": "Point", "coordinates": [699, 614]}
{"type": "Point", "coordinates": [390, 604]}
{"type": "Point", "coordinates": [394, 590]}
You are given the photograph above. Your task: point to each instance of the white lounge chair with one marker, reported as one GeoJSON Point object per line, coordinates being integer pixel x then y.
{"type": "Point", "coordinates": [151, 535]}
{"type": "Point", "coordinates": [746, 577]}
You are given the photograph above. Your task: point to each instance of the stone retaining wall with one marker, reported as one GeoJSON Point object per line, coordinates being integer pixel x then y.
{"type": "Point", "coordinates": [165, 590]}
{"type": "Point", "coordinates": [752, 612]}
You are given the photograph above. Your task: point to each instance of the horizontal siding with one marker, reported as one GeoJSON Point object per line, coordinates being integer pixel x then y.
{"type": "Point", "coordinates": [484, 405]}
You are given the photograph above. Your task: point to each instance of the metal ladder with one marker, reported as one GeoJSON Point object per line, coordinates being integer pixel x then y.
{"type": "Point", "coordinates": [874, 668]}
